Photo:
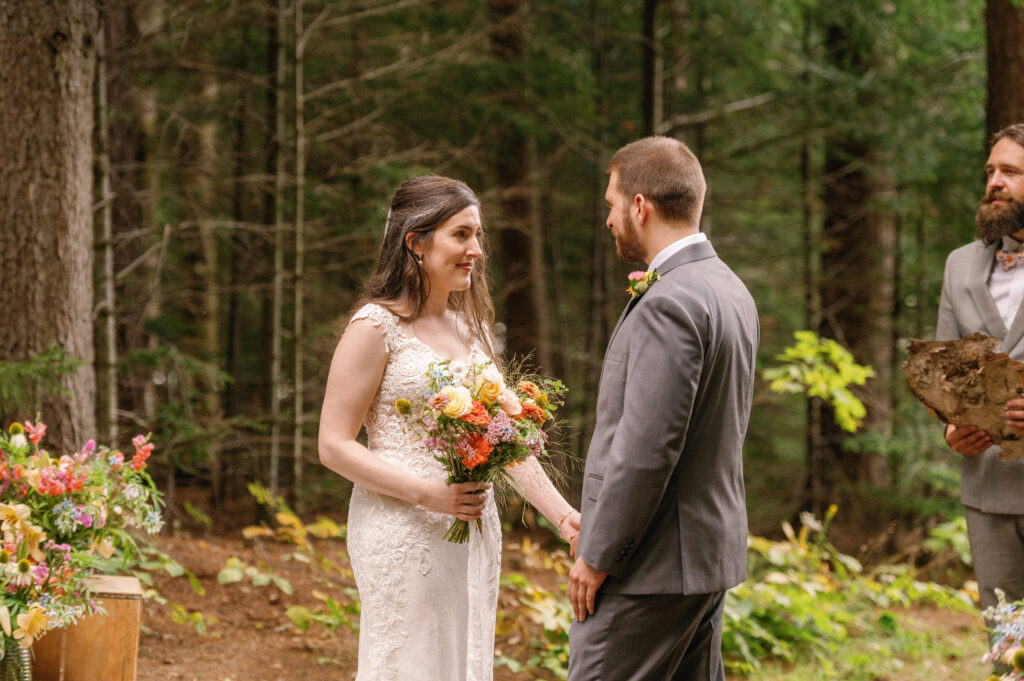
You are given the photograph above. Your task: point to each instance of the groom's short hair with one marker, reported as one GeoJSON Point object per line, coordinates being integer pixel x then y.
{"type": "Point", "coordinates": [666, 172]}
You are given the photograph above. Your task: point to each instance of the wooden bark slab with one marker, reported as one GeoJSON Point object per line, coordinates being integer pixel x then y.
{"type": "Point", "coordinates": [967, 382]}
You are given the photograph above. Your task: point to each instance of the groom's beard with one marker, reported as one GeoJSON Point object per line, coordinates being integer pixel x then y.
{"type": "Point", "coordinates": [627, 244]}
{"type": "Point", "coordinates": [993, 223]}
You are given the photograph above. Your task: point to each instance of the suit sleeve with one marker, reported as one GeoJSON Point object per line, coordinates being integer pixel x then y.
{"type": "Point", "coordinates": [666, 353]}
{"type": "Point", "coordinates": [946, 328]}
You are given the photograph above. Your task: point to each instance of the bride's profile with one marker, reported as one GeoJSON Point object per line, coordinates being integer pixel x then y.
{"type": "Point", "coordinates": [428, 605]}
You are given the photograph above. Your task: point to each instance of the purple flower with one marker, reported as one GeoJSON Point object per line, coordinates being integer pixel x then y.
{"type": "Point", "coordinates": [501, 429]}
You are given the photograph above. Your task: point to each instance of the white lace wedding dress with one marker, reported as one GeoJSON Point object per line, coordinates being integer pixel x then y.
{"type": "Point", "coordinates": [428, 606]}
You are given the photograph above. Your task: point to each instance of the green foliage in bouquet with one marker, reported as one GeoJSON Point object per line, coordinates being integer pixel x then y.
{"type": "Point", "coordinates": [63, 516]}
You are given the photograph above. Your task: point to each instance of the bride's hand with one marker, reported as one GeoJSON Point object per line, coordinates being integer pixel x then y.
{"type": "Point", "coordinates": [464, 500]}
{"type": "Point", "coordinates": [569, 528]}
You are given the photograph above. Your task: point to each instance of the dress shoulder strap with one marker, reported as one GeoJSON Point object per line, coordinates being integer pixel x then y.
{"type": "Point", "coordinates": [384, 319]}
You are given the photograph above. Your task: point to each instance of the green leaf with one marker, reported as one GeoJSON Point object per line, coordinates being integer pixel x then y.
{"type": "Point", "coordinates": [232, 572]}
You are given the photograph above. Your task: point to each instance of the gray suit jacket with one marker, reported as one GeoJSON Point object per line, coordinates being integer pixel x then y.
{"type": "Point", "coordinates": [663, 499]}
{"type": "Point", "coordinates": [966, 306]}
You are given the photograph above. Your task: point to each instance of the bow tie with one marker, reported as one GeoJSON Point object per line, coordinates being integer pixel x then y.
{"type": "Point", "coordinates": [1009, 259]}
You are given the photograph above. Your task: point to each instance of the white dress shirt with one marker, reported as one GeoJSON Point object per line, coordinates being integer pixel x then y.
{"type": "Point", "coordinates": [675, 247]}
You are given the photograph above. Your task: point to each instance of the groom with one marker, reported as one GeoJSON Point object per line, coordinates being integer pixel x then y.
{"type": "Point", "coordinates": [664, 526]}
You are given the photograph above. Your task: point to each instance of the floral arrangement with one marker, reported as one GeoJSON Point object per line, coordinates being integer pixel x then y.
{"type": "Point", "coordinates": [477, 422]}
{"type": "Point", "coordinates": [1007, 638]}
{"type": "Point", "coordinates": [59, 517]}
{"type": "Point", "coordinates": [640, 281]}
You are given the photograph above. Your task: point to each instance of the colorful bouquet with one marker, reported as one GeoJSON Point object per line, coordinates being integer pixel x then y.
{"type": "Point", "coordinates": [477, 422]}
{"type": "Point", "coordinates": [1007, 638]}
{"type": "Point", "coordinates": [62, 515]}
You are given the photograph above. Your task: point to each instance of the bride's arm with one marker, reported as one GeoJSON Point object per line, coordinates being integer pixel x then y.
{"type": "Point", "coordinates": [538, 489]}
{"type": "Point", "coordinates": [356, 372]}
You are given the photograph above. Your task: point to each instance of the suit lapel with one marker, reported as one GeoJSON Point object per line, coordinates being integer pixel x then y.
{"type": "Point", "coordinates": [622, 317]}
{"type": "Point", "coordinates": [698, 251]}
{"type": "Point", "coordinates": [978, 289]}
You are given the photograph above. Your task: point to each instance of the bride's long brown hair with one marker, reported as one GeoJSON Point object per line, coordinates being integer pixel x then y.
{"type": "Point", "coordinates": [420, 206]}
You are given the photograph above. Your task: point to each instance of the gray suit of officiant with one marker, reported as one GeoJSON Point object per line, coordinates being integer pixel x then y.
{"type": "Point", "coordinates": [992, 490]}
{"type": "Point", "coordinates": [663, 507]}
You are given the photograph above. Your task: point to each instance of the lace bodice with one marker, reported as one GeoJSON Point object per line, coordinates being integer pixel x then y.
{"type": "Point", "coordinates": [404, 377]}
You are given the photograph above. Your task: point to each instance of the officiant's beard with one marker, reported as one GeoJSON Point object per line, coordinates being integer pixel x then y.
{"type": "Point", "coordinates": [627, 243]}
{"type": "Point", "coordinates": [995, 222]}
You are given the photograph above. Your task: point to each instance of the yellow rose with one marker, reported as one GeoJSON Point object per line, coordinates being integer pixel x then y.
{"type": "Point", "coordinates": [460, 401]}
{"type": "Point", "coordinates": [488, 390]}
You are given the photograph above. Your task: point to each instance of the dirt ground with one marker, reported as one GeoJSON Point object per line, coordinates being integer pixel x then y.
{"type": "Point", "coordinates": [250, 638]}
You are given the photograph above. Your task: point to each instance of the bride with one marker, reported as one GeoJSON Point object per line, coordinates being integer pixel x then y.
{"type": "Point", "coordinates": [428, 606]}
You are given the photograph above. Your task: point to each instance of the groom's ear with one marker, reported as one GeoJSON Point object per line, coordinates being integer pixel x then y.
{"type": "Point", "coordinates": [641, 208]}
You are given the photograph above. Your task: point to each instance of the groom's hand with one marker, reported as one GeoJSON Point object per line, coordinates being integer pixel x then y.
{"type": "Point", "coordinates": [584, 581]}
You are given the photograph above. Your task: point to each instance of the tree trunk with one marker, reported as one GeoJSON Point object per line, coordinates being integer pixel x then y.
{"type": "Point", "coordinates": [300, 254]}
{"type": "Point", "coordinates": [106, 328]}
{"type": "Point", "coordinates": [277, 302]}
{"type": "Point", "coordinates": [149, 204]}
{"type": "Point", "coordinates": [517, 232]}
{"type": "Point", "coordinates": [1004, 30]}
{"type": "Point", "coordinates": [47, 65]}
{"type": "Point", "coordinates": [652, 69]}
{"type": "Point", "coordinates": [859, 242]}
{"type": "Point", "coordinates": [204, 202]}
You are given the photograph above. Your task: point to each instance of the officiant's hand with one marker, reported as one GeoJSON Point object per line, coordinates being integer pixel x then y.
{"type": "Point", "coordinates": [464, 500]}
{"type": "Point", "coordinates": [584, 581]}
{"type": "Point", "coordinates": [968, 440]}
{"type": "Point", "coordinates": [1015, 414]}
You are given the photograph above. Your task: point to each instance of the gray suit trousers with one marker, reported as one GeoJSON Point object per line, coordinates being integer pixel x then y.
{"type": "Point", "coordinates": [651, 637]}
{"type": "Point", "coordinates": [997, 547]}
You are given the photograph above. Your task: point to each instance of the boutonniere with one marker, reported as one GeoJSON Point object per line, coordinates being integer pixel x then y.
{"type": "Point", "coordinates": [640, 281]}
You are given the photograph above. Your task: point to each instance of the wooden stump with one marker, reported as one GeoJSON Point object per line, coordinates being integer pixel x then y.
{"type": "Point", "coordinates": [101, 647]}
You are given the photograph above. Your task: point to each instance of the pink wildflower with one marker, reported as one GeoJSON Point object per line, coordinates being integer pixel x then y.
{"type": "Point", "coordinates": [35, 432]}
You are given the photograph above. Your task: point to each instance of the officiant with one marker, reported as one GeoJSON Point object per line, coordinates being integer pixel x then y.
{"type": "Point", "coordinates": [983, 291]}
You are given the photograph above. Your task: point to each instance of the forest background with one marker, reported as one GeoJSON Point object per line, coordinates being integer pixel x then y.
{"type": "Point", "coordinates": [193, 192]}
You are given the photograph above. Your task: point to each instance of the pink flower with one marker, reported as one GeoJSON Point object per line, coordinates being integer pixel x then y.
{"type": "Point", "coordinates": [87, 449]}
{"type": "Point", "coordinates": [637, 275]}
{"type": "Point", "coordinates": [437, 401]}
{"type": "Point", "coordinates": [35, 432]}
{"type": "Point", "coordinates": [509, 402]}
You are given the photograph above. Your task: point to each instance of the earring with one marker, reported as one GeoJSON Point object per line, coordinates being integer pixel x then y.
{"type": "Point", "coordinates": [419, 261]}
